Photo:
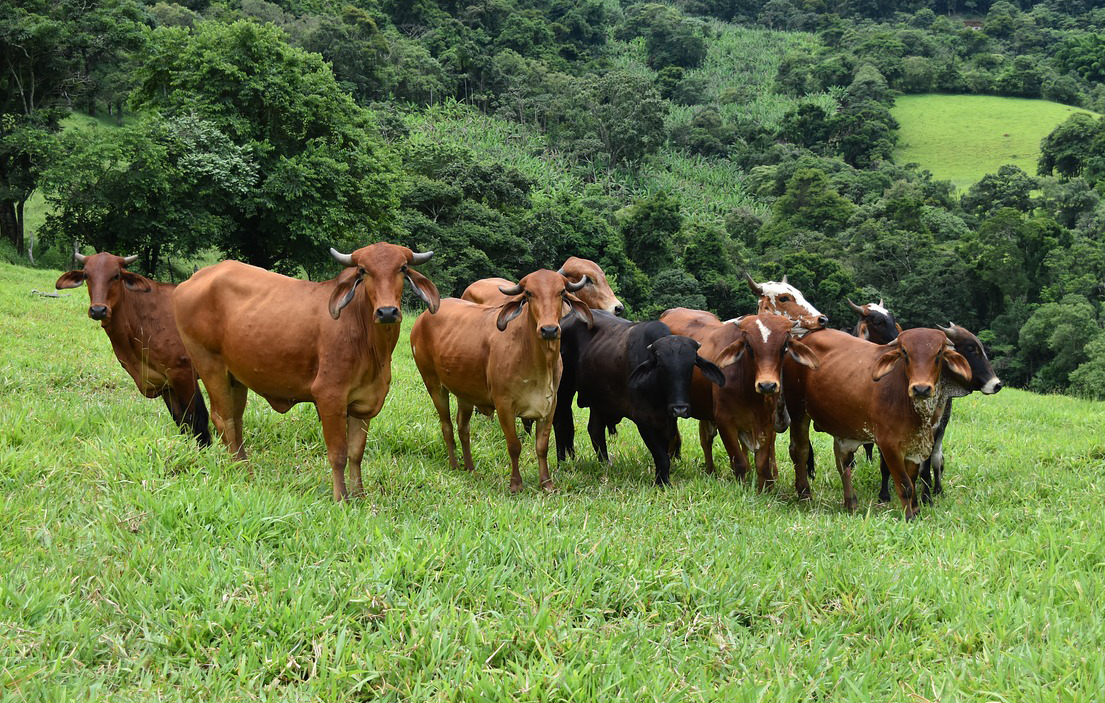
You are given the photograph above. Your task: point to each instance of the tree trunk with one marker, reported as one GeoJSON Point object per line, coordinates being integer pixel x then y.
{"type": "Point", "coordinates": [11, 223]}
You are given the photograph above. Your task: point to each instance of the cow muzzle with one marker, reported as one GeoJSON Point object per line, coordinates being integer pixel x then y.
{"type": "Point", "coordinates": [992, 386]}
{"type": "Point", "coordinates": [680, 410]}
{"type": "Point", "coordinates": [921, 390]}
{"type": "Point", "coordinates": [767, 387]}
{"type": "Point", "coordinates": [387, 315]}
{"type": "Point", "coordinates": [97, 312]}
{"type": "Point", "coordinates": [823, 320]}
{"type": "Point", "coordinates": [619, 309]}
{"type": "Point", "coordinates": [550, 332]}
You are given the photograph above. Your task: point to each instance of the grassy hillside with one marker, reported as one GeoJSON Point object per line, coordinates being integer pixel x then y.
{"type": "Point", "coordinates": [137, 567]}
{"type": "Point", "coordinates": [962, 138]}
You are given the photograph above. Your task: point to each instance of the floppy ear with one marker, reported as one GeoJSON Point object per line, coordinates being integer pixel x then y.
{"type": "Point", "coordinates": [802, 354]}
{"type": "Point", "coordinates": [580, 309]}
{"type": "Point", "coordinates": [731, 354]}
{"type": "Point", "coordinates": [71, 279]}
{"type": "Point", "coordinates": [862, 329]}
{"type": "Point", "coordinates": [899, 327]}
{"type": "Point", "coordinates": [424, 288]}
{"type": "Point", "coordinates": [346, 288]}
{"type": "Point", "coordinates": [136, 283]}
{"type": "Point", "coordinates": [886, 363]}
{"type": "Point", "coordinates": [637, 376]}
{"type": "Point", "coordinates": [712, 373]}
{"type": "Point", "coordinates": [958, 365]}
{"type": "Point", "coordinates": [510, 310]}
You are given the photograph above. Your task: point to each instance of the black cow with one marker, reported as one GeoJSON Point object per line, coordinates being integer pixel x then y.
{"type": "Point", "coordinates": [623, 369]}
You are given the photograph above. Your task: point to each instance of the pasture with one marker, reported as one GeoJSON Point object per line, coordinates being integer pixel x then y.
{"type": "Point", "coordinates": [137, 567]}
{"type": "Point", "coordinates": [961, 138]}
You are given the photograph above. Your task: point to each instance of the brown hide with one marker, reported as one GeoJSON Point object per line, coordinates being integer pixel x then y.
{"type": "Point", "coordinates": [504, 358]}
{"type": "Point", "coordinates": [864, 392]}
{"type": "Point", "coordinates": [294, 341]}
{"type": "Point", "coordinates": [597, 293]}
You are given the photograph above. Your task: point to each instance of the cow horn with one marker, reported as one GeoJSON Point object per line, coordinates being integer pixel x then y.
{"type": "Point", "coordinates": [343, 259]}
{"type": "Point", "coordinates": [784, 281]}
{"type": "Point", "coordinates": [420, 257]}
{"type": "Point", "coordinates": [573, 287]}
{"type": "Point", "coordinates": [881, 303]}
{"type": "Point", "coordinates": [128, 260]}
{"type": "Point", "coordinates": [895, 342]}
{"type": "Point", "coordinates": [513, 290]}
{"type": "Point", "coordinates": [950, 332]}
{"type": "Point", "coordinates": [78, 256]}
{"type": "Point", "coordinates": [857, 309]}
{"type": "Point", "coordinates": [755, 287]}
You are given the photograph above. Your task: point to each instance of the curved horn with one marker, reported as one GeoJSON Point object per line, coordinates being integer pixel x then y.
{"type": "Point", "coordinates": [513, 290]}
{"type": "Point", "coordinates": [128, 260]}
{"type": "Point", "coordinates": [950, 332]}
{"type": "Point", "coordinates": [78, 256]}
{"type": "Point", "coordinates": [895, 342]}
{"type": "Point", "coordinates": [855, 308]}
{"type": "Point", "coordinates": [755, 287]}
{"type": "Point", "coordinates": [573, 287]}
{"type": "Point", "coordinates": [784, 281]}
{"type": "Point", "coordinates": [343, 259]}
{"type": "Point", "coordinates": [881, 303]}
{"type": "Point", "coordinates": [420, 257]}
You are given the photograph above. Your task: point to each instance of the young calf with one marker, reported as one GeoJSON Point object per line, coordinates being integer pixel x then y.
{"type": "Point", "coordinates": [474, 352]}
{"type": "Point", "coordinates": [622, 369]}
{"type": "Point", "coordinates": [750, 352]}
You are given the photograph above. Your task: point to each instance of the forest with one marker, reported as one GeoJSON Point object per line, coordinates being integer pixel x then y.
{"type": "Point", "coordinates": [678, 145]}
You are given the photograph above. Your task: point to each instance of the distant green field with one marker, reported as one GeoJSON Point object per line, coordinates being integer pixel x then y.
{"type": "Point", "coordinates": [962, 138]}
{"type": "Point", "coordinates": [136, 567]}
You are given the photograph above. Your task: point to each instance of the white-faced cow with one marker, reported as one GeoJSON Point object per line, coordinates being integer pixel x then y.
{"type": "Point", "coordinates": [293, 341]}
{"type": "Point", "coordinates": [781, 298]}
{"type": "Point", "coordinates": [137, 315]}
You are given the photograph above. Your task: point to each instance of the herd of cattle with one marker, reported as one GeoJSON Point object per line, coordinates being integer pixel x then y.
{"type": "Point", "coordinates": [526, 350]}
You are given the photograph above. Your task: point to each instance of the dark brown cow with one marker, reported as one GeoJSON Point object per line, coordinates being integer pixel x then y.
{"type": "Point", "coordinates": [137, 315]}
{"type": "Point", "coordinates": [781, 298]}
{"type": "Point", "coordinates": [474, 352]}
{"type": "Point", "coordinates": [888, 394]}
{"type": "Point", "coordinates": [596, 293]}
{"type": "Point", "coordinates": [750, 352]}
{"type": "Point", "coordinates": [294, 341]}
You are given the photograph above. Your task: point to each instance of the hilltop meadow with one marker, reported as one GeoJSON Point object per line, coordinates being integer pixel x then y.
{"type": "Point", "coordinates": [138, 567]}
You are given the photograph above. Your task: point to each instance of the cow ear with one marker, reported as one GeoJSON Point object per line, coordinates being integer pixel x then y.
{"type": "Point", "coordinates": [712, 373]}
{"type": "Point", "coordinates": [580, 309]}
{"type": "Point", "coordinates": [886, 363]}
{"type": "Point", "coordinates": [136, 283]}
{"type": "Point", "coordinates": [731, 354]}
{"type": "Point", "coordinates": [637, 376]}
{"type": "Point", "coordinates": [899, 327]}
{"type": "Point", "coordinates": [346, 288]}
{"type": "Point", "coordinates": [425, 289]}
{"type": "Point", "coordinates": [802, 354]}
{"type": "Point", "coordinates": [958, 365]}
{"type": "Point", "coordinates": [71, 279]}
{"type": "Point", "coordinates": [861, 328]}
{"type": "Point", "coordinates": [510, 310]}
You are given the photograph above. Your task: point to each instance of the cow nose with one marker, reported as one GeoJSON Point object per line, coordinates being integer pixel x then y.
{"type": "Point", "coordinates": [681, 410]}
{"type": "Point", "coordinates": [619, 309]}
{"type": "Point", "coordinates": [97, 312]}
{"type": "Point", "coordinates": [550, 331]}
{"type": "Point", "coordinates": [767, 387]}
{"type": "Point", "coordinates": [997, 386]}
{"type": "Point", "coordinates": [921, 390]}
{"type": "Point", "coordinates": [823, 320]}
{"type": "Point", "coordinates": [387, 315]}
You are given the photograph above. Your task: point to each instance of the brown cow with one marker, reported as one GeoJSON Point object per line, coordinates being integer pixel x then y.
{"type": "Point", "coordinates": [781, 298]}
{"type": "Point", "coordinates": [473, 352]}
{"type": "Point", "coordinates": [749, 351]}
{"type": "Point", "coordinates": [596, 293]}
{"type": "Point", "coordinates": [888, 394]}
{"type": "Point", "coordinates": [248, 328]}
{"type": "Point", "coordinates": [137, 315]}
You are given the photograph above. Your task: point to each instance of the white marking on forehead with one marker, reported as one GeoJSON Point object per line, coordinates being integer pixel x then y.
{"type": "Point", "coordinates": [878, 308]}
{"type": "Point", "coordinates": [764, 331]}
{"type": "Point", "coordinates": [773, 289]}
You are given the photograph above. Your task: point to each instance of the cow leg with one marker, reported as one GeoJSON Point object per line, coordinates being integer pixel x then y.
{"type": "Point", "coordinates": [924, 481]}
{"type": "Point", "coordinates": [937, 457]}
{"type": "Point", "coordinates": [228, 405]}
{"type": "Point", "coordinates": [657, 445]}
{"type": "Point", "coordinates": [185, 402]}
{"type": "Point", "coordinates": [811, 469]}
{"type": "Point", "coordinates": [440, 397]}
{"type": "Point", "coordinates": [513, 445]}
{"type": "Point", "coordinates": [464, 427]}
{"type": "Point", "coordinates": [845, 461]}
{"type": "Point", "coordinates": [870, 449]}
{"type": "Point", "coordinates": [596, 428]}
{"type": "Point", "coordinates": [884, 488]}
{"type": "Point", "coordinates": [801, 449]}
{"type": "Point", "coordinates": [564, 422]}
{"type": "Point", "coordinates": [675, 446]}
{"type": "Point", "coordinates": [738, 456]}
{"type": "Point", "coordinates": [903, 481]}
{"type": "Point", "coordinates": [706, 432]}
{"type": "Point", "coordinates": [544, 428]}
{"type": "Point", "coordinates": [335, 432]}
{"type": "Point", "coordinates": [356, 436]}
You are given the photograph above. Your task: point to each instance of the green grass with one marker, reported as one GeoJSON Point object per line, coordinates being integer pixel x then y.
{"type": "Point", "coordinates": [961, 138]}
{"type": "Point", "coordinates": [137, 567]}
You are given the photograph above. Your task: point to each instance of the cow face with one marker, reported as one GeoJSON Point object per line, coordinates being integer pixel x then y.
{"type": "Point", "coordinates": [108, 281]}
{"type": "Point", "coordinates": [596, 292]}
{"type": "Point", "coordinates": [381, 269]}
{"type": "Point", "coordinates": [924, 354]}
{"type": "Point", "coordinates": [544, 293]}
{"type": "Point", "coordinates": [766, 340]}
{"type": "Point", "coordinates": [983, 377]}
{"type": "Point", "coordinates": [666, 375]}
{"type": "Point", "coordinates": [781, 298]}
{"type": "Point", "coordinates": [876, 323]}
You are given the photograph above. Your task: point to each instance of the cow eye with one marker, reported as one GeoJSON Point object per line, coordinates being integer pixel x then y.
{"type": "Point", "coordinates": [361, 271]}
{"type": "Point", "coordinates": [403, 268]}
{"type": "Point", "coordinates": [784, 299]}
{"type": "Point", "coordinates": [116, 277]}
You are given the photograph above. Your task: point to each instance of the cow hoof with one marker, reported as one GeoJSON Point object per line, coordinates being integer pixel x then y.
{"type": "Point", "coordinates": [550, 488]}
{"type": "Point", "coordinates": [515, 488]}
{"type": "Point", "coordinates": [884, 497]}
{"type": "Point", "coordinates": [911, 514]}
